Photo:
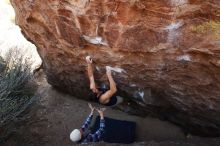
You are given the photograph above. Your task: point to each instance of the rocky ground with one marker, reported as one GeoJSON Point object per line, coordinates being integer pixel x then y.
{"type": "Point", "coordinates": [50, 121]}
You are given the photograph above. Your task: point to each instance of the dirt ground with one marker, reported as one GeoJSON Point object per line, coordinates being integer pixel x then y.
{"type": "Point", "coordinates": [56, 114]}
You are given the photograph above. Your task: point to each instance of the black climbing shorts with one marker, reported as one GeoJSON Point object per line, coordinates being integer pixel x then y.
{"type": "Point", "coordinates": [112, 101]}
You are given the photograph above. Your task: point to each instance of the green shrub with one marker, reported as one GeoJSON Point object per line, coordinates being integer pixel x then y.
{"type": "Point", "coordinates": [17, 86]}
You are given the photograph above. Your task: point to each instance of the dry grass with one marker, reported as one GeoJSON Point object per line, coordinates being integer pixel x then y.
{"type": "Point", "coordinates": [17, 87]}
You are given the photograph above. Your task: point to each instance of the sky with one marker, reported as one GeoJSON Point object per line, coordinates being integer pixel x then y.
{"type": "Point", "coordinates": [11, 36]}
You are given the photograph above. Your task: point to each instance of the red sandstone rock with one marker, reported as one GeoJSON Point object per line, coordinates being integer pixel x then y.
{"type": "Point", "coordinates": [169, 51]}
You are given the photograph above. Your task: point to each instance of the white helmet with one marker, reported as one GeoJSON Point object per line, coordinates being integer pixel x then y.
{"type": "Point", "coordinates": [75, 135]}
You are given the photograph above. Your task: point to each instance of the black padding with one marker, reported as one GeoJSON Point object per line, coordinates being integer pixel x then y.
{"type": "Point", "coordinates": [117, 131]}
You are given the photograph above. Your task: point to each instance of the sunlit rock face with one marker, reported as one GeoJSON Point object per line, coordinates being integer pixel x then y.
{"type": "Point", "coordinates": [167, 51]}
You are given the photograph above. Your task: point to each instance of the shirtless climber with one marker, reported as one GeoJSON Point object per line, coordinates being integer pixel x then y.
{"type": "Point", "coordinates": [103, 95]}
{"type": "Point", "coordinates": [84, 135]}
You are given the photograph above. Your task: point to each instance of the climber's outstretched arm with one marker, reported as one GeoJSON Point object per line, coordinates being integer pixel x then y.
{"type": "Point", "coordinates": [88, 120]}
{"type": "Point", "coordinates": [98, 135]}
{"type": "Point", "coordinates": [113, 89]}
{"type": "Point", "coordinates": [90, 74]}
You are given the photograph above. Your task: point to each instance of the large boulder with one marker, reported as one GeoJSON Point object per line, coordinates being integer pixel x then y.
{"type": "Point", "coordinates": [167, 52]}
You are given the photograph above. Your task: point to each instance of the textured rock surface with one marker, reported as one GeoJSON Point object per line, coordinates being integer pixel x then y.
{"type": "Point", "coordinates": [169, 51]}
